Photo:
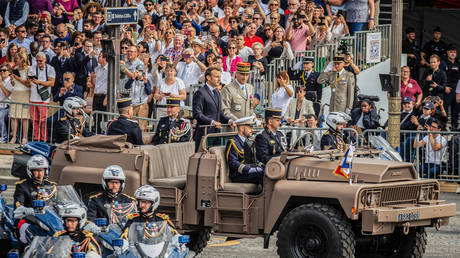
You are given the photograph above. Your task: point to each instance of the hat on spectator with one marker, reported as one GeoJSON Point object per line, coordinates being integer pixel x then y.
{"type": "Point", "coordinates": [437, 29]}
{"type": "Point", "coordinates": [242, 67]}
{"type": "Point", "coordinates": [338, 59]}
{"type": "Point", "coordinates": [140, 67]}
{"type": "Point", "coordinates": [249, 120]}
{"type": "Point", "coordinates": [428, 105]}
{"type": "Point", "coordinates": [173, 102]}
{"type": "Point", "coordinates": [122, 103]}
{"type": "Point", "coordinates": [407, 99]}
{"type": "Point", "coordinates": [451, 47]}
{"type": "Point", "coordinates": [197, 42]}
{"type": "Point", "coordinates": [308, 59]}
{"type": "Point", "coordinates": [272, 113]}
{"type": "Point", "coordinates": [257, 96]}
{"type": "Point", "coordinates": [410, 30]}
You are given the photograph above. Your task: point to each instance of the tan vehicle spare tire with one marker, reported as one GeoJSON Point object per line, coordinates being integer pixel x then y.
{"type": "Point", "coordinates": [315, 230]}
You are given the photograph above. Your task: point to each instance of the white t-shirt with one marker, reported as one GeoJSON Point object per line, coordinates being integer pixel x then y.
{"type": "Point", "coordinates": [3, 97]}
{"type": "Point", "coordinates": [34, 96]}
{"type": "Point", "coordinates": [191, 75]}
{"type": "Point", "coordinates": [280, 99]}
{"type": "Point", "coordinates": [245, 52]}
{"type": "Point", "coordinates": [174, 89]}
{"type": "Point", "coordinates": [431, 156]}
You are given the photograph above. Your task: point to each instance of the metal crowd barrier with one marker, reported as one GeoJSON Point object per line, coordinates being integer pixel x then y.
{"type": "Point", "coordinates": [359, 47]}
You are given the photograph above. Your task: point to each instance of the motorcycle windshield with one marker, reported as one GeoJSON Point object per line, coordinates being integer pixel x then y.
{"type": "Point", "coordinates": [118, 212]}
{"type": "Point", "coordinates": [152, 238]}
{"type": "Point", "coordinates": [47, 194]}
{"type": "Point", "coordinates": [49, 247]}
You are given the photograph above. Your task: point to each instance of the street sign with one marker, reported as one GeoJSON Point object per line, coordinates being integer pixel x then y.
{"type": "Point", "coordinates": [121, 15]}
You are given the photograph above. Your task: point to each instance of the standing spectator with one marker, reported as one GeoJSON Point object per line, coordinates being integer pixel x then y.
{"type": "Point", "coordinates": [84, 63]}
{"type": "Point", "coordinates": [251, 37]}
{"type": "Point", "coordinates": [359, 13]}
{"type": "Point", "coordinates": [321, 36]}
{"type": "Point", "coordinates": [42, 78]}
{"type": "Point", "coordinates": [3, 41]}
{"type": "Point", "coordinates": [207, 106]}
{"type": "Point", "coordinates": [62, 33]}
{"type": "Point", "coordinates": [46, 47]}
{"type": "Point", "coordinates": [170, 86]}
{"type": "Point", "coordinates": [408, 111]}
{"type": "Point", "coordinates": [299, 32]}
{"type": "Point", "coordinates": [59, 15]}
{"type": "Point", "coordinates": [307, 77]}
{"type": "Point", "coordinates": [283, 92]}
{"type": "Point", "coordinates": [215, 9]}
{"type": "Point", "coordinates": [232, 58]}
{"type": "Point", "coordinates": [299, 108]}
{"type": "Point", "coordinates": [434, 79]}
{"type": "Point", "coordinates": [77, 19]}
{"type": "Point", "coordinates": [274, 7]}
{"type": "Point", "coordinates": [259, 67]}
{"type": "Point", "coordinates": [99, 82]}
{"type": "Point", "coordinates": [21, 38]}
{"type": "Point", "coordinates": [225, 77]}
{"type": "Point", "coordinates": [342, 85]}
{"type": "Point", "coordinates": [140, 89]}
{"type": "Point", "coordinates": [5, 91]}
{"type": "Point", "coordinates": [21, 93]}
{"type": "Point", "coordinates": [174, 52]}
{"type": "Point", "coordinates": [364, 117]}
{"type": "Point", "coordinates": [243, 51]}
{"type": "Point", "coordinates": [279, 47]}
{"type": "Point", "coordinates": [435, 144]}
{"type": "Point", "coordinates": [189, 70]}
{"type": "Point", "coordinates": [61, 63]}
{"type": "Point", "coordinates": [16, 12]}
{"type": "Point", "coordinates": [412, 50]}
{"type": "Point", "coordinates": [68, 89]}
{"type": "Point", "coordinates": [290, 12]}
{"type": "Point", "coordinates": [410, 87]}
{"type": "Point", "coordinates": [40, 6]}
{"type": "Point", "coordinates": [237, 96]}
{"type": "Point", "coordinates": [10, 56]}
{"type": "Point", "coordinates": [68, 6]}
{"type": "Point", "coordinates": [435, 46]}
{"type": "Point", "coordinates": [453, 75]}
{"type": "Point", "coordinates": [339, 27]}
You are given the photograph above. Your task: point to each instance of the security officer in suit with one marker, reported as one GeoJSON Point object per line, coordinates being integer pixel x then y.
{"type": "Point", "coordinates": [332, 139]}
{"type": "Point", "coordinates": [124, 124]}
{"type": "Point", "coordinates": [241, 169]}
{"type": "Point", "coordinates": [308, 77]}
{"type": "Point", "coordinates": [70, 126]}
{"type": "Point", "coordinates": [238, 95]}
{"type": "Point", "coordinates": [270, 142]}
{"type": "Point", "coordinates": [113, 183]}
{"type": "Point", "coordinates": [172, 128]}
{"type": "Point", "coordinates": [342, 85]}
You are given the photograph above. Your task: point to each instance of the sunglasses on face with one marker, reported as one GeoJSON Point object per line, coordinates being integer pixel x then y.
{"type": "Point", "coordinates": [3, 71]}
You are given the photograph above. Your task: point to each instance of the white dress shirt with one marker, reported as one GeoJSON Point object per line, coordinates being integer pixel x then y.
{"type": "Point", "coordinates": [188, 73]}
{"type": "Point", "coordinates": [100, 84]}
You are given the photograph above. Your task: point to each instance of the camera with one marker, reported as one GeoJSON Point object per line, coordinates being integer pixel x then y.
{"type": "Point", "coordinates": [342, 48]}
{"type": "Point", "coordinates": [249, 2]}
{"type": "Point", "coordinates": [2, 40]}
{"type": "Point", "coordinates": [164, 58]}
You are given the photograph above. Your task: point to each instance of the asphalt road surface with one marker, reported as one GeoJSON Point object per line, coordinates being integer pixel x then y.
{"type": "Point", "coordinates": [444, 243]}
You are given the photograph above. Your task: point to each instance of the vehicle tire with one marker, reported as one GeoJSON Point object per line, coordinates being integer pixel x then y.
{"type": "Point", "coordinates": [397, 245]}
{"type": "Point", "coordinates": [315, 230]}
{"type": "Point", "coordinates": [198, 240]}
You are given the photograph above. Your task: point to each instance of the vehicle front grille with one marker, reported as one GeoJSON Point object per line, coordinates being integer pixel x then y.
{"type": "Point", "coordinates": [400, 194]}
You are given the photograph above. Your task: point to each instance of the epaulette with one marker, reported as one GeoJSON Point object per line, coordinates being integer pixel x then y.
{"type": "Point", "coordinates": [326, 133]}
{"type": "Point", "coordinates": [130, 197]}
{"type": "Point", "coordinates": [21, 181]}
{"type": "Point", "coordinates": [51, 182]}
{"type": "Point", "coordinates": [163, 216]}
{"type": "Point", "coordinates": [60, 233]}
{"type": "Point", "coordinates": [166, 218]}
{"type": "Point", "coordinates": [132, 215]}
{"type": "Point", "coordinates": [87, 233]}
{"type": "Point", "coordinates": [95, 195]}
{"type": "Point", "coordinates": [63, 118]}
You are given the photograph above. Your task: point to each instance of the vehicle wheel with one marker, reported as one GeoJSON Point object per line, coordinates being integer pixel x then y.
{"type": "Point", "coordinates": [315, 230]}
{"type": "Point", "coordinates": [199, 240]}
{"type": "Point", "coordinates": [396, 245]}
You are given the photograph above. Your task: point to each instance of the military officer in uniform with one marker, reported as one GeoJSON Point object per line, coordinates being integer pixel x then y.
{"type": "Point", "coordinates": [70, 126]}
{"type": "Point", "coordinates": [113, 183]}
{"type": "Point", "coordinates": [270, 142]}
{"type": "Point", "coordinates": [308, 77]}
{"type": "Point", "coordinates": [172, 128]}
{"type": "Point", "coordinates": [124, 124]}
{"type": "Point", "coordinates": [342, 85]}
{"type": "Point", "coordinates": [238, 95]}
{"type": "Point", "coordinates": [241, 169]}
{"type": "Point", "coordinates": [332, 139]}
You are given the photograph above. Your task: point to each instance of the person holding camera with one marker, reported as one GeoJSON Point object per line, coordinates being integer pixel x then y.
{"type": "Point", "coordinates": [190, 69]}
{"type": "Point", "coordinates": [298, 32]}
{"type": "Point", "coordinates": [140, 89]}
{"type": "Point", "coordinates": [68, 89]}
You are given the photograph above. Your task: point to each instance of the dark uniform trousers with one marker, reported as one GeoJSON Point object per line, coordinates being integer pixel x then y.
{"type": "Point", "coordinates": [72, 126]}
{"type": "Point", "coordinates": [99, 203]}
{"type": "Point", "coordinates": [27, 190]}
{"type": "Point", "coordinates": [122, 125]}
{"type": "Point", "coordinates": [165, 125]}
{"type": "Point", "coordinates": [268, 145]}
{"type": "Point", "coordinates": [333, 140]}
{"type": "Point", "coordinates": [234, 153]}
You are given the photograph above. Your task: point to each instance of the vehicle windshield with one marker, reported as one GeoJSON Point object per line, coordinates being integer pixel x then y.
{"type": "Point", "coordinates": [46, 246]}
{"type": "Point", "coordinates": [388, 153]}
{"type": "Point", "coordinates": [151, 238]}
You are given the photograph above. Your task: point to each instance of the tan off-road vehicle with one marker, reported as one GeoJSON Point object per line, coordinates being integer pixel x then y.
{"type": "Point", "coordinates": [383, 212]}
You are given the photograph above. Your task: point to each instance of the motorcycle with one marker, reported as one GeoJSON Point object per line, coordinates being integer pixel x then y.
{"type": "Point", "coordinates": [7, 227]}
{"type": "Point", "coordinates": [54, 247]}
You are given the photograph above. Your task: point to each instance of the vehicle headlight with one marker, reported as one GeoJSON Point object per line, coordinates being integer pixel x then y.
{"type": "Point", "coordinates": [370, 198]}
{"type": "Point", "coordinates": [426, 193]}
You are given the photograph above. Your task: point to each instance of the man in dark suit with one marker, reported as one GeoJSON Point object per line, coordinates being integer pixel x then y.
{"type": "Point", "coordinates": [207, 106]}
{"type": "Point", "coordinates": [308, 78]}
{"type": "Point", "coordinates": [270, 142]}
{"type": "Point", "coordinates": [124, 124]}
{"type": "Point", "coordinates": [61, 63]}
{"type": "Point", "coordinates": [84, 63]}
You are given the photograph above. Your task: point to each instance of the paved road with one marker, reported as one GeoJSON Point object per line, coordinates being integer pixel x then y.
{"type": "Point", "coordinates": [444, 243]}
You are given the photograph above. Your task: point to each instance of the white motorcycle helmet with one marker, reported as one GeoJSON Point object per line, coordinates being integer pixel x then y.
{"type": "Point", "coordinates": [74, 210]}
{"type": "Point", "coordinates": [37, 161]}
{"type": "Point", "coordinates": [113, 172]}
{"type": "Point", "coordinates": [148, 193]}
{"type": "Point", "coordinates": [73, 102]}
{"type": "Point", "coordinates": [335, 118]}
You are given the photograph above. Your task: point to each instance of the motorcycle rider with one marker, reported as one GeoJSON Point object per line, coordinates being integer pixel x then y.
{"type": "Point", "coordinates": [74, 217]}
{"type": "Point", "coordinates": [332, 139]}
{"type": "Point", "coordinates": [113, 183]}
{"type": "Point", "coordinates": [71, 123]}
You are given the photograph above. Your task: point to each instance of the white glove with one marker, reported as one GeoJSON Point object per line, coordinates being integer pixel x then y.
{"type": "Point", "coordinates": [123, 248]}
{"type": "Point", "coordinates": [347, 110]}
{"type": "Point", "coordinates": [21, 211]}
{"type": "Point", "coordinates": [91, 227]}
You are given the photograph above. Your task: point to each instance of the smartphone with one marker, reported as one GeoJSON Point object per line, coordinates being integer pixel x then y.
{"type": "Point", "coordinates": [16, 72]}
{"type": "Point", "coordinates": [164, 58]}
{"type": "Point", "coordinates": [32, 77]}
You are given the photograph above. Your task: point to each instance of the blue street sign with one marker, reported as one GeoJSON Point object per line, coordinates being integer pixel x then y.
{"type": "Point", "coordinates": [121, 15]}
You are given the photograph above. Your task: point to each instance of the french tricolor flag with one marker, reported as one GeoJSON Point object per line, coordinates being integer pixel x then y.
{"type": "Point", "coordinates": [345, 164]}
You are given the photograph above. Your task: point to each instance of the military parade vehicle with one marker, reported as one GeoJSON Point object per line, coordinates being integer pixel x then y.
{"type": "Point", "coordinates": [382, 211]}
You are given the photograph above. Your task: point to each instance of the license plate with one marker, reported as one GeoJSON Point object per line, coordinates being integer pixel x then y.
{"type": "Point", "coordinates": [408, 216]}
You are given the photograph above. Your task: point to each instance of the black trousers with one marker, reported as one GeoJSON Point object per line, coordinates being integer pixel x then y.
{"type": "Point", "coordinates": [98, 105]}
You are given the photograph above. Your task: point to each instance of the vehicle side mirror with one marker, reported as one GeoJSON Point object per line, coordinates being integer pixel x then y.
{"type": "Point", "coordinates": [38, 204]}
{"type": "Point", "coordinates": [184, 239]}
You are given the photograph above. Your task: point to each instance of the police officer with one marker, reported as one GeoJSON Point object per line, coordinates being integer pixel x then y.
{"type": "Point", "coordinates": [332, 139]}
{"type": "Point", "coordinates": [453, 74]}
{"type": "Point", "coordinates": [308, 78]}
{"type": "Point", "coordinates": [270, 142]}
{"type": "Point", "coordinates": [70, 125]}
{"type": "Point", "coordinates": [172, 128]}
{"type": "Point", "coordinates": [241, 169]}
{"type": "Point", "coordinates": [342, 85]}
{"type": "Point", "coordinates": [113, 183]}
{"type": "Point", "coordinates": [124, 124]}
{"type": "Point", "coordinates": [74, 217]}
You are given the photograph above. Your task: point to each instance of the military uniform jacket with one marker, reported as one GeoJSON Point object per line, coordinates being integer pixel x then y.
{"type": "Point", "coordinates": [234, 153]}
{"type": "Point", "coordinates": [99, 203]}
{"type": "Point", "coordinates": [84, 241]}
{"type": "Point", "coordinates": [332, 141]}
{"type": "Point", "coordinates": [138, 217]}
{"type": "Point", "coordinates": [310, 81]}
{"type": "Point", "coordinates": [268, 145]}
{"type": "Point", "coordinates": [122, 125]}
{"type": "Point", "coordinates": [171, 131]}
{"type": "Point", "coordinates": [27, 190]}
{"type": "Point", "coordinates": [236, 103]}
{"type": "Point", "coordinates": [61, 131]}
{"type": "Point", "coordinates": [342, 89]}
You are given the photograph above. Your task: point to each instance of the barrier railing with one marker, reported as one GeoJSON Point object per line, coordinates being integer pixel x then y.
{"type": "Point", "coordinates": [98, 121]}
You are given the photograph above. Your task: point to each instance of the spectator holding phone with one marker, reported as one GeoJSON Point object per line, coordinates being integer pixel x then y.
{"type": "Point", "coordinates": [279, 47]}
{"type": "Point", "coordinates": [232, 58]}
{"type": "Point", "coordinates": [170, 86]}
{"type": "Point", "coordinates": [174, 52]}
{"type": "Point", "coordinates": [299, 32]}
{"type": "Point", "coordinates": [68, 89]}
